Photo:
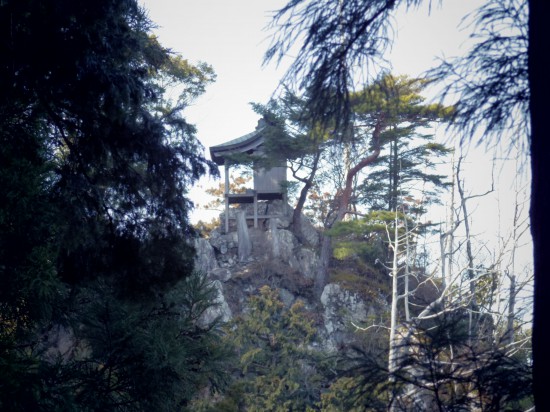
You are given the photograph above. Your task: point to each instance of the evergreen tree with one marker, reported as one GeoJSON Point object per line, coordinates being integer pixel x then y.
{"type": "Point", "coordinates": [277, 364]}
{"type": "Point", "coordinates": [277, 369]}
{"type": "Point", "coordinates": [95, 257]}
{"type": "Point", "coordinates": [405, 166]}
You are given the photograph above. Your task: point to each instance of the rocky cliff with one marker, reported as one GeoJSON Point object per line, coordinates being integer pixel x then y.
{"type": "Point", "coordinates": [244, 259]}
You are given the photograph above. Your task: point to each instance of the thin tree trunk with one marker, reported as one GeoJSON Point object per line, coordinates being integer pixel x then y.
{"type": "Point", "coordinates": [452, 226]}
{"type": "Point", "coordinates": [509, 334]}
{"type": "Point", "coordinates": [308, 183]}
{"type": "Point", "coordinates": [394, 347]}
{"type": "Point", "coordinates": [469, 253]}
{"type": "Point", "coordinates": [407, 267]}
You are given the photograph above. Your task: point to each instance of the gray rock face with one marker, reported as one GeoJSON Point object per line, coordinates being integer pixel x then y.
{"type": "Point", "coordinates": [287, 243]}
{"type": "Point", "coordinates": [305, 261]}
{"type": "Point", "coordinates": [282, 210]}
{"type": "Point", "coordinates": [220, 310]}
{"type": "Point", "coordinates": [284, 221]}
{"type": "Point", "coordinates": [205, 260]}
{"type": "Point", "coordinates": [310, 234]}
{"type": "Point", "coordinates": [278, 259]}
{"type": "Point", "coordinates": [221, 274]}
{"type": "Point", "coordinates": [225, 248]}
{"type": "Point", "coordinates": [342, 309]}
{"type": "Point", "coordinates": [243, 238]}
{"type": "Point", "coordinates": [273, 236]}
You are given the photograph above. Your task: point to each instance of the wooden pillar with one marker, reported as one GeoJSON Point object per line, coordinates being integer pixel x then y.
{"type": "Point", "coordinates": [226, 169]}
{"type": "Point", "coordinates": [255, 209]}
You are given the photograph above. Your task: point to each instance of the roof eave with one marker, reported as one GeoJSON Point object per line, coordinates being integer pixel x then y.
{"type": "Point", "coordinates": [252, 141]}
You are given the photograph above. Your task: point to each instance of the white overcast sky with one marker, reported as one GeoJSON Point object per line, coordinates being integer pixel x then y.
{"type": "Point", "coordinates": [230, 36]}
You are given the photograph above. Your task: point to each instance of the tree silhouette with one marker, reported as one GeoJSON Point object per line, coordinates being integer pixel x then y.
{"type": "Point", "coordinates": [94, 233]}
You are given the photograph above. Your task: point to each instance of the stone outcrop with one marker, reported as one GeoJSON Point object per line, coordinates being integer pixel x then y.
{"type": "Point", "coordinates": [272, 255]}
{"type": "Point", "coordinates": [342, 310]}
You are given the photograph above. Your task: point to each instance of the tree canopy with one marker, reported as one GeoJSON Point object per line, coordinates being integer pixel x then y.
{"type": "Point", "coordinates": [94, 231]}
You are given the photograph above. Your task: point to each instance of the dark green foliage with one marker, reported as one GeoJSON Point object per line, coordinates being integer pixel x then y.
{"type": "Point", "coordinates": [366, 238]}
{"type": "Point", "coordinates": [404, 169]}
{"type": "Point", "coordinates": [121, 168]}
{"type": "Point", "coordinates": [369, 237]}
{"type": "Point", "coordinates": [277, 369]}
{"type": "Point", "coordinates": [29, 285]}
{"type": "Point", "coordinates": [277, 365]}
{"type": "Point", "coordinates": [118, 355]}
{"type": "Point", "coordinates": [94, 236]}
{"type": "Point", "coordinates": [153, 356]}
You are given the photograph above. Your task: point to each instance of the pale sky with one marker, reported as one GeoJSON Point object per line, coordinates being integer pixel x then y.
{"type": "Point", "coordinates": [230, 36]}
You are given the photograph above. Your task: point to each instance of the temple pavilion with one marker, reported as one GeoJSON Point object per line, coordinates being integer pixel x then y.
{"type": "Point", "coordinates": [268, 184]}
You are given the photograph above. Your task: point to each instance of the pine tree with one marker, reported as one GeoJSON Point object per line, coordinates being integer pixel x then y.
{"type": "Point", "coordinates": [405, 167]}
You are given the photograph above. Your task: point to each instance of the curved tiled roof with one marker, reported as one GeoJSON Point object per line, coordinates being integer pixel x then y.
{"type": "Point", "coordinates": [243, 144]}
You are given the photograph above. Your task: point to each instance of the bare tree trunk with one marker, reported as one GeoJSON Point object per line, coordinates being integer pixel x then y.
{"type": "Point", "coordinates": [394, 344]}
{"type": "Point", "coordinates": [469, 253]}
{"type": "Point", "coordinates": [509, 333]}
{"type": "Point", "coordinates": [308, 183]}
{"type": "Point", "coordinates": [446, 239]}
{"type": "Point", "coordinates": [517, 233]}
{"type": "Point", "coordinates": [407, 268]}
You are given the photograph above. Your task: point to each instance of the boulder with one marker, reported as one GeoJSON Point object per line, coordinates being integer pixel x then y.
{"type": "Point", "coordinates": [205, 259]}
{"type": "Point", "coordinates": [220, 310]}
{"type": "Point", "coordinates": [342, 309]}
{"type": "Point", "coordinates": [305, 261]}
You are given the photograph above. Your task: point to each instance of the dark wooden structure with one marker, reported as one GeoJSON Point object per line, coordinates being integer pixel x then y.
{"type": "Point", "coordinates": [268, 184]}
